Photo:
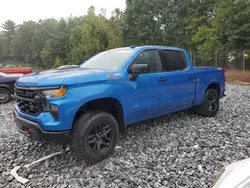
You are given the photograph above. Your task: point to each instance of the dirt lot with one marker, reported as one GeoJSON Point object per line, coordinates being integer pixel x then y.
{"type": "Point", "coordinates": [236, 76]}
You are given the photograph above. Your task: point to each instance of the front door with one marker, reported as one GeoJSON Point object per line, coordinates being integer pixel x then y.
{"type": "Point", "coordinates": [145, 100]}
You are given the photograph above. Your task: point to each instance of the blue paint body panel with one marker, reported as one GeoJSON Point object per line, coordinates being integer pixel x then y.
{"type": "Point", "coordinates": [141, 99]}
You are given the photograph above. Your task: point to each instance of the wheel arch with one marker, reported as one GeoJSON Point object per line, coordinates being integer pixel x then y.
{"type": "Point", "coordinates": [5, 86]}
{"type": "Point", "coordinates": [107, 104]}
{"type": "Point", "coordinates": [214, 85]}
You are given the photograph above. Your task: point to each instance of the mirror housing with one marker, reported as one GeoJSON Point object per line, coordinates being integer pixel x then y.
{"type": "Point", "coordinates": [137, 69]}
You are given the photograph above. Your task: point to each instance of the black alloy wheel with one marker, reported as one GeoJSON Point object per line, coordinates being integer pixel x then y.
{"type": "Point", "coordinates": [211, 104]}
{"type": "Point", "coordinates": [212, 101]}
{"type": "Point", "coordinates": [94, 136]}
{"type": "Point", "coordinates": [100, 137]}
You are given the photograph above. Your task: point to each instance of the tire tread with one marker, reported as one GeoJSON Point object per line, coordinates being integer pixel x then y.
{"type": "Point", "coordinates": [79, 129]}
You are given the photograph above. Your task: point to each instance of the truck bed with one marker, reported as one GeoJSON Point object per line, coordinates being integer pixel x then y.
{"type": "Point", "coordinates": [206, 76]}
{"type": "Point", "coordinates": [209, 73]}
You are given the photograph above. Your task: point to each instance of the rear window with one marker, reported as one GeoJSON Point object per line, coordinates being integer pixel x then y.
{"type": "Point", "coordinates": [174, 61]}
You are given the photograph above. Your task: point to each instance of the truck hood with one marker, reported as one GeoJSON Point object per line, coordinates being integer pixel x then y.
{"type": "Point", "coordinates": [58, 77]}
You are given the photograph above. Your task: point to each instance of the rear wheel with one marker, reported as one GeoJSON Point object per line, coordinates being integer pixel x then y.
{"type": "Point", "coordinates": [5, 95]}
{"type": "Point", "coordinates": [94, 136]}
{"type": "Point", "coordinates": [210, 105]}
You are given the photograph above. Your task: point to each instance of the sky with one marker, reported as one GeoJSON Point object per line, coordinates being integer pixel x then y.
{"type": "Point", "coordinates": [23, 10]}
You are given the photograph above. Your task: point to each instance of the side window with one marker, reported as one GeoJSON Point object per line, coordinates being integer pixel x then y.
{"type": "Point", "coordinates": [174, 61]}
{"type": "Point", "coordinates": [152, 58]}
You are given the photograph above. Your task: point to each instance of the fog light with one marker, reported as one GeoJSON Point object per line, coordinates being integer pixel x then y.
{"type": "Point", "coordinates": [53, 109]}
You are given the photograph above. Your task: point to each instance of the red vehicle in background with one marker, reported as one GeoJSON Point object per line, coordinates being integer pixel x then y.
{"type": "Point", "coordinates": [16, 70]}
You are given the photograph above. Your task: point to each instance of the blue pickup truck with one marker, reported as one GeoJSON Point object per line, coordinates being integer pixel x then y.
{"type": "Point", "coordinates": [88, 106]}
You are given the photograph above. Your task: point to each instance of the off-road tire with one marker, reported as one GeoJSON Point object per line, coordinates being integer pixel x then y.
{"type": "Point", "coordinates": [211, 98]}
{"type": "Point", "coordinates": [83, 128]}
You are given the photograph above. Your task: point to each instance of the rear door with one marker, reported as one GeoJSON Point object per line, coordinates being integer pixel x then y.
{"type": "Point", "coordinates": [180, 82]}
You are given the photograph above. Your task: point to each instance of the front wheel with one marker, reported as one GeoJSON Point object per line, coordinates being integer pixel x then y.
{"type": "Point", "coordinates": [210, 105]}
{"type": "Point", "coordinates": [94, 136]}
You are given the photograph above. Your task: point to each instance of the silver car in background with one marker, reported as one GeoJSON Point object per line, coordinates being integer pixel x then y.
{"type": "Point", "coordinates": [235, 175]}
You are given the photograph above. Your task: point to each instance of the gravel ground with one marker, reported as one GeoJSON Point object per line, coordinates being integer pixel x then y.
{"type": "Point", "coordinates": [180, 150]}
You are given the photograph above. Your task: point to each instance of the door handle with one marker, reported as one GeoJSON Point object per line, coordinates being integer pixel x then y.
{"type": "Point", "coordinates": [190, 76]}
{"type": "Point", "coordinates": [162, 80]}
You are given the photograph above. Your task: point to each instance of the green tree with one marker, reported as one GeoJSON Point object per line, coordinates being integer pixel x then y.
{"type": "Point", "coordinates": [94, 33]}
{"type": "Point", "coordinates": [157, 22]}
{"type": "Point", "coordinates": [89, 39]}
{"type": "Point", "coordinates": [142, 21]}
{"type": "Point", "coordinates": [232, 24]}
{"type": "Point", "coordinates": [208, 26]}
{"type": "Point", "coordinates": [57, 45]}
{"type": "Point", "coordinates": [207, 42]}
{"type": "Point", "coordinates": [21, 44]}
{"type": "Point", "coordinates": [4, 46]}
{"type": "Point", "coordinates": [76, 53]}
{"type": "Point", "coordinates": [226, 30]}
{"type": "Point", "coordinates": [42, 33]}
{"type": "Point", "coordinates": [115, 33]}
{"type": "Point", "coordinates": [200, 13]}
{"type": "Point", "coordinates": [9, 29]}
{"type": "Point", "coordinates": [58, 62]}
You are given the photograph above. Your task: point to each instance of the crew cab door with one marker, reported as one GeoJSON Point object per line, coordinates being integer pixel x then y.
{"type": "Point", "coordinates": [180, 81]}
{"type": "Point", "coordinates": [145, 100]}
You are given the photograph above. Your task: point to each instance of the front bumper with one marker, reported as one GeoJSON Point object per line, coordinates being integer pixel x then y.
{"type": "Point", "coordinates": [33, 130]}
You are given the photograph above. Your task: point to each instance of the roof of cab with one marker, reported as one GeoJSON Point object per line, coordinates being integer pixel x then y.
{"type": "Point", "coordinates": [138, 48]}
{"type": "Point", "coordinates": [156, 47]}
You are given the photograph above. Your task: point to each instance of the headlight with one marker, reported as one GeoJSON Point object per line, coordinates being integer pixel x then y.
{"type": "Point", "coordinates": [55, 92]}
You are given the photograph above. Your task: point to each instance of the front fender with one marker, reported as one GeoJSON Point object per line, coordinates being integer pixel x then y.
{"type": "Point", "coordinates": [117, 89]}
{"type": "Point", "coordinates": [92, 92]}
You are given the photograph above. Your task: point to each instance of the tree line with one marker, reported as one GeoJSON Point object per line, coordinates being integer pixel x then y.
{"type": "Point", "coordinates": [208, 26]}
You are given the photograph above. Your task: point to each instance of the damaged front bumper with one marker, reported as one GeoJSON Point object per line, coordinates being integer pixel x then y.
{"type": "Point", "coordinates": [34, 131]}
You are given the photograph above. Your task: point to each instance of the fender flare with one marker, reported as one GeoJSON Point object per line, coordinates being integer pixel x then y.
{"type": "Point", "coordinates": [7, 87]}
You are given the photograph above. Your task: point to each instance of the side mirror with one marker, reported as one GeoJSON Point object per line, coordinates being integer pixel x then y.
{"type": "Point", "coordinates": [137, 69]}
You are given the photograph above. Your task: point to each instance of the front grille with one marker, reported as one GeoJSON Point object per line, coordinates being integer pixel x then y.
{"type": "Point", "coordinates": [29, 107]}
{"type": "Point", "coordinates": [28, 101]}
{"type": "Point", "coordinates": [30, 94]}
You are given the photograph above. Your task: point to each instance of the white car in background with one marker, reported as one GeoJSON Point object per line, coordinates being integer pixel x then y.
{"type": "Point", "coordinates": [235, 175]}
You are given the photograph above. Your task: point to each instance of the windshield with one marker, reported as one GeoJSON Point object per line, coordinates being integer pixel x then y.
{"type": "Point", "coordinates": [110, 59]}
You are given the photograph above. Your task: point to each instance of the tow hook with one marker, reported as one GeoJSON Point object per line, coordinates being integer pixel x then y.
{"type": "Point", "coordinates": [27, 131]}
